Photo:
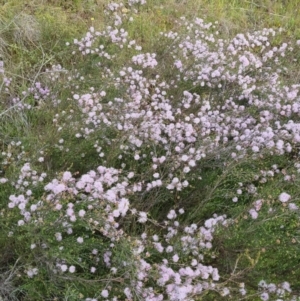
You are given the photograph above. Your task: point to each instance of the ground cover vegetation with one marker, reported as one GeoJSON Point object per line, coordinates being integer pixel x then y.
{"type": "Point", "coordinates": [149, 150]}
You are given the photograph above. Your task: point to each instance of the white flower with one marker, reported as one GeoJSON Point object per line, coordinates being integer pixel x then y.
{"type": "Point", "coordinates": [172, 214]}
{"type": "Point", "coordinates": [210, 223]}
{"type": "Point", "coordinates": [286, 286]}
{"type": "Point", "coordinates": [155, 237]}
{"type": "Point", "coordinates": [192, 163]}
{"type": "Point", "coordinates": [80, 240]}
{"type": "Point", "coordinates": [253, 213]}
{"type": "Point", "coordinates": [293, 206]}
{"type": "Point", "coordinates": [3, 180]}
{"type": "Point", "coordinates": [262, 283]}
{"type": "Point", "coordinates": [175, 258]}
{"type": "Point", "coordinates": [184, 158]}
{"type": "Point", "coordinates": [215, 275]}
{"type": "Point", "coordinates": [81, 213]}
{"type": "Point", "coordinates": [104, 293]}
{"type": "Point", "coordinates": [67, 176]}
{"type": "Point", "coordinates": [21, 222]}
{"type": "Point", "coordinates": [143, 217]}
{"type": "Point", "coordinates": [225, 291]}
{"type": "Point", "coordinates": [93, 269]}
{"type": "Point", "coordinates": [284, 197]}
{"type": "Point", "coordinates": [123, 206]}
{"type": "Point", "coordinates": [169, 249]}
{"type": "Point", "coordinates": [158, 247]}
{"type": "Point", "coordinates": [58, 236]}
{"type": "Point", "coordinates": [95, 251]}
{"type": "Point", "coordinates": [72, 269]}
{"type": "Point", "coordinates": [130, 175]}
{"type": "Point", "coordinates": [264, 296]}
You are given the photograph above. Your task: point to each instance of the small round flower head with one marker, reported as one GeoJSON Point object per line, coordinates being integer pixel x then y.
{"type": "Point", "coordinates": [181, 211]}
{"type": "Point", "coordinates": [95, 251]}
{"type": "Point", "coordinates": [142, 217]}
{"type": "Point", "coordinates": [262, 283]}
{"type": "Point", "coordinates": [21, 222]}
{"type": "Point", "coordinates": [80, 240]}
{"type": "Point", "coordinates": [172, 214]}
{"type": "Point", "coordinates": [81, 213]}
{"type": "Point", "coordinates": [93, 269]}
{"type": "Point", "coordinates": [264, 296]}
{"type": "Point", "coordinates": [286, 286]}
{"type": "Point", "coordinates": [72, 269]}
{"type": "Point", "coordinates": [175, 258]}
{"type": "Point", "coordinates": [3, 180]}
{"type": "Point", "coordinates": [293, 206]}
{"type": "Point", "coordinates": [253, 213]}
{"type": "Point", "coordinates": [104, 293]}
{"type": "Point", "coordinates": [58, 236]}
{"type": "Point", "coordinates": [284, 197]}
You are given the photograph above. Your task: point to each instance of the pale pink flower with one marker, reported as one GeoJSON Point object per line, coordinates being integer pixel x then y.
{"type": "Point", "coordinates": [142, 217]}
{"type": "Point", "coordinates": [172, 214]}
{"type": "Point", "coordinates": [67, 176]}
{"type": "Point", "coordinates": [169, 249]}
{"type": "Point", "coordinates": [104, 293]}
{"type": "Point", "coordinates": [80, 240]}
{"type": "Point", "coordinates": [257, 204]}
{"type": "Point", "coordinates": [175, 258]}
{"type": "Point", "coordinates": [58, 236]}
{"type": "Point", "coordinates": [81, 213]}
{"type": "Point", "coordinates": [264, 296]}
{"type": "Point", "coordinates": [286, 286]}
{"type": "Point", "coordinates": [284, 197]}
{"type": "Point", "coordinates": [93, 269]}
{"type": "Point", "coordinates": [155, 237]}
{"type": "Point", "coordinates": [293, 206]}
{"type": "Point", "coordinates": [3, 180]}
{"type": "Point", "coordinates": [253, 213]}
{"type": "Point", "coordinates": [58, 206]}
{"type": "Point", "coordinates": [21, 223]}
{"type": "Point", "coordinates": [72, 269]}
{"type": "Point", "coordinates": [158, 246]}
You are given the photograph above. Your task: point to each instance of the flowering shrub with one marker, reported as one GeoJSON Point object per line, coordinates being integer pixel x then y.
{"type": "Point", "coordinates": [109, 218]}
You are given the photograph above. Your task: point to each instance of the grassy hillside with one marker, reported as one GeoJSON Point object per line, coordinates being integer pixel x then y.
{"type": "Point", "coordinates": [149, 150]}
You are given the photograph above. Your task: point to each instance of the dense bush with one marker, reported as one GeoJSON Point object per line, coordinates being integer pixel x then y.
{"type": "Point", "coordinates": [165, 174]}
